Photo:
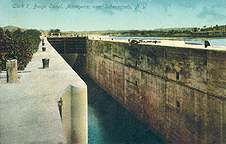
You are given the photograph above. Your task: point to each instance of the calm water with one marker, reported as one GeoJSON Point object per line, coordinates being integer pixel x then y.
{"type": "Point", "coordinates": [110, 123]}
{"type": "Point", "coordinates": [213, 41]}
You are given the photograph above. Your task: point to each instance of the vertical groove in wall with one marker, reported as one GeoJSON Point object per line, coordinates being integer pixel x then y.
{"type": "Point", "coordinates": [223, 123]}
{"type": "Point", "coordinates": [123, 74]}
{"type": "Point", "coordinates": [165, 96]}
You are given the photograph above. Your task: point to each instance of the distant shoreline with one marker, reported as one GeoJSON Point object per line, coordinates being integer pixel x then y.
{"type": "Point", "coordinates": [164, 38]}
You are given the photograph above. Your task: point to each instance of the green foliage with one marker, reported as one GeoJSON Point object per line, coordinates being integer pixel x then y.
{"type": "Point", "coordinates": [213, 31]}
{"type": "Point", "coordinates": [55, 32]}
{"type": "Point", "coordinates": [18, 45]}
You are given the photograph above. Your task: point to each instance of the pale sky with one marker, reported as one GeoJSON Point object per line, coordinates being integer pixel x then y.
{"type": "Point", "coordinates": [91, 15]}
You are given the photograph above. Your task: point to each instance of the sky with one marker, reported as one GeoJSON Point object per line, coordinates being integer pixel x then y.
{"type": "Point", "coordinates": [93, 15]}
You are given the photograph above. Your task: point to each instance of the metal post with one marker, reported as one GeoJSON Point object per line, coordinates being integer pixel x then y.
{"type": "Point", "coordinates": [206, 43]}
{"type": "Point", "coordinates": [45, 63]}
{"type": "Point", "coordinates": [43, 49]}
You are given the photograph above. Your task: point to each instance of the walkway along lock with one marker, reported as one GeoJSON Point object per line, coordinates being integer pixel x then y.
{"type": "Point", "coordinates": [11, 68]}
{"type": "Point", "coordinates": [45, 63]}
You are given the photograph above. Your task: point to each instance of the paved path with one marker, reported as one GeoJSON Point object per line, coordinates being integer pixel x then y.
{"type": "Point", "coordinates": [29, 110]}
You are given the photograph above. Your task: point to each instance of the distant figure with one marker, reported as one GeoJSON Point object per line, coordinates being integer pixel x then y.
{"type": "Point", "coordinates": [60, 104]}
{"type": "Point", "coordinates": [155, 41]}
{"type": "Point", "coordinates": [112, 39]}
{"type": "Point", "coordinates": [207, 44]}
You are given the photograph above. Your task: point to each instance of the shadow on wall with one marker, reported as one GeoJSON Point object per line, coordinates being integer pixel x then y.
{"type": "Point", "coordinates": [70, 58]}
{"type": "Point", "coordinates": [80, 64]}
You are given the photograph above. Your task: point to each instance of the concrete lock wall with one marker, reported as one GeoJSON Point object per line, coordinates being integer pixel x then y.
{"type": "Point", "coordinates": [179, 92]}
{"type": "Point", "coordinates": [74, 115]}
{"type": "Point", "coordinates": [79, 115]}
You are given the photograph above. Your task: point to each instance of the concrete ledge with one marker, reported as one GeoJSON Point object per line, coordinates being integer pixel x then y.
{"type": "Point", "coordinates": [168, 43]}
{"type": "Point", "coordinates": [30, 112]}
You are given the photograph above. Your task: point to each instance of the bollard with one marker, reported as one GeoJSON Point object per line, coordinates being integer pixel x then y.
{"type": "Point", "coordinates": [43, 49]}
{"type": "Point", "coordinates": [11, 68]}
{"type": "Point", "coordinates": [206, 43]}
{"type": "Point", "coordinates": [45, 63]}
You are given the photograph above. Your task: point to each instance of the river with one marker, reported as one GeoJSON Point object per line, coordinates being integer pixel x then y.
{"type": "Point", "coordinates": [213, 41]}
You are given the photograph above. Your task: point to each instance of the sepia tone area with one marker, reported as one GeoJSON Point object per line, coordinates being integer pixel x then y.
{"type": "Point", "coordinates": [112, 71]}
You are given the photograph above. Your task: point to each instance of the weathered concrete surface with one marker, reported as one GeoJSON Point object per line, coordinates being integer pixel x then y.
{"type": "Point", "coordinates": [29, 108]}
{"type": "Point", "coordinates": [177, 89]}
{"type": "Point", "coordinates": [11, 67]}
{"type": "Point", "coordinates": [79, 115]}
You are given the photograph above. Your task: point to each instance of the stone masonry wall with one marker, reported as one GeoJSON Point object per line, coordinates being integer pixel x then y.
{"type": "Point", "coordinates": [178, 92]}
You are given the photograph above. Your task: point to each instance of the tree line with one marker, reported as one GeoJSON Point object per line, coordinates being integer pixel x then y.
{"type": "Point", "coordinates": [18, 45]}
{"type": "Point", "coordinates": [213, 31]}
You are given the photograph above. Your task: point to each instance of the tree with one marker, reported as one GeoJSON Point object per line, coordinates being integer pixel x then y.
{"type": "Point", "coordinates": [54, 31]}
{"type": "Point", "coordinates": [18, 45]}
{"type": "Point", "coordinates": [216, 27]}
{"type": "Point", "coordinates": [195, 29]}
{"type": "Point", "coordinates": [57, 31]}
